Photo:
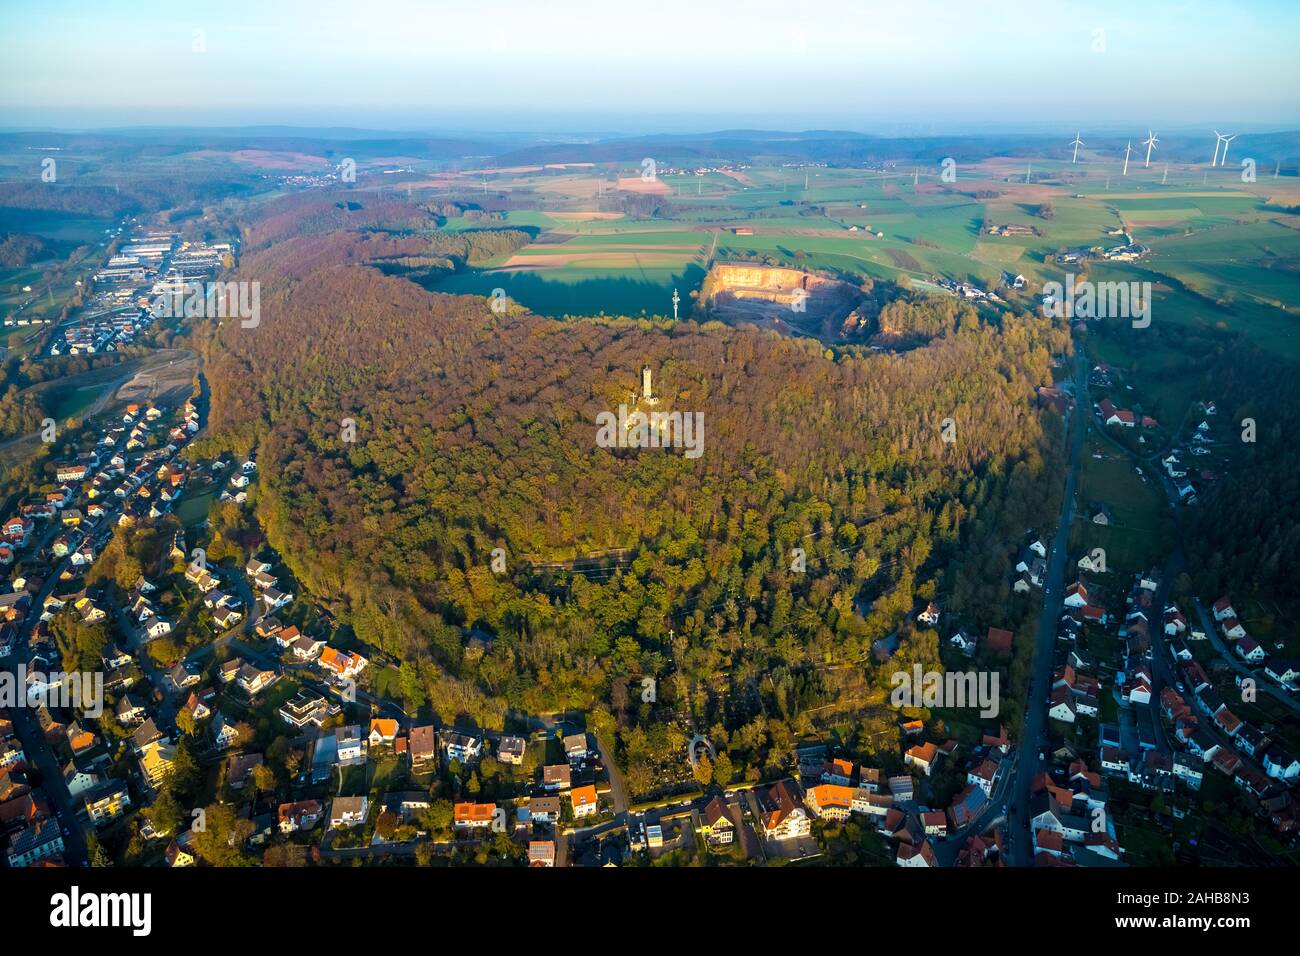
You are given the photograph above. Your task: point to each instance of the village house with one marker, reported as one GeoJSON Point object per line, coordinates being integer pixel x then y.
{"type": "Point", "coordinates": [541, 853]}
{"type": "Point", "coordinates": [239, 769]}
{"type": "Point", "coordinates": [473, 816]}
{"type": "Point", "coordinates": [341, 664]}
{"type": "Point", "coordinates": [716, 825]}
{"type": "Point", "coordinates": [348, 812]}
{"type": "Point", "coordinates": [307, 707]}
{"type": "Point", "coordinates": [224, 732]}
{"type": "Point", "coordinates": [177, 855]}
{"type": "Point", "coordinates": [922, 757]}
{"type": "Point", "coordinates": [830, 801]}
{"type": "Point", "coordinates": [544, 809]}
{"type": "Point", "coordinates": [782, 813]}
{"type": "Point", "coordinates": [382, 731]}
{"type": "Point", "coordinates": [350, 744]}
{"type": "Point", "coordinates": [584, 800]}
{"type": "Point", "coordinates": [557, 777]}
{"type": "Point", "coordinates": [460, 748]}
{"type": "Point", "coordinates": [575, 747]}
{"type": "Point", "coordinates": [511, 750]}
{"type": "Point", "coordinates": [930, 616]}
{"type": "Point", "coordinates": [422, 745]}
{"type": "Point", "coordinates": [307, 648]}
{"type": "Point", "coordinates": [106, 801]}
{"type": "Point", "coordinates": [917, 855]}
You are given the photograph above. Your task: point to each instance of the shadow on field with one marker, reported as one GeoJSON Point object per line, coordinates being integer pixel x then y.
{"type": "Point", "coordinates": [613, 296]}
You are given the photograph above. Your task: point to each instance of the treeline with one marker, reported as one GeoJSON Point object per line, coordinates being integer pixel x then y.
{"type": "Point", "coordinates": [1243, 537]}
{"type": "Point", "coordinates": [20, 371]}
{"type": "Point", "coordinates": [478, 245]}
{"type": "Point", "coordinates": [21, 413]}
{"type": "Point", "coordinates": [19, 249]}
{"type": "Point", "coordinates": [316, 213]}
{"type": "Point", "coordinates": [924, 317]}
{"type": "Point", "coordinates": [111, 191]}
{"type": "Point", "coordinates": [476, 431]}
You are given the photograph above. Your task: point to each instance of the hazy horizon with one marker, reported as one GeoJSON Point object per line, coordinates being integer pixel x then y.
{"type": "Point", "coordinates": [890, 68]}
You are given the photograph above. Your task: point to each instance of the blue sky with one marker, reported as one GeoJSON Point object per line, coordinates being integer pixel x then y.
{"type": "Point", "coordinates": [652, 65]}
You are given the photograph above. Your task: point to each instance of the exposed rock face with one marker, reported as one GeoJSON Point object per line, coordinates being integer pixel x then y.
{"type": "Point", "coordinates": [788, 299]}
{"type": "Point", "coordinates": [764, 283]}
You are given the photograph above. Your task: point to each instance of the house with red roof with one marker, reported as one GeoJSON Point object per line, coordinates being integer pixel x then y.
{"type": "Point", "coordinates": [999, 641]}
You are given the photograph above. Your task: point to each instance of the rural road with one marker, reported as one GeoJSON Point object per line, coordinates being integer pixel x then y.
{"type": "Point", "coordinates": [1034, 731]}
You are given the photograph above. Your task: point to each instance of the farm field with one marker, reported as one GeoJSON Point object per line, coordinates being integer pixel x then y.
{"type": "Point", "coordinates": [1223, 254]}
{"type": "Point", "coordinates": [1139, 531]}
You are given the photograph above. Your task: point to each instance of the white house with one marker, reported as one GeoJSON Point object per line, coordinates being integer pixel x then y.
{"type": "Point", "coordinates": [1279, 764]}
{"type": "Point", "coordinates": [348, 811]}
{"type": "Point", "coordinates": [223, 731]}
{"type": "Point", "coordinates": [966, 643]}
{"type": "Point", "coordinates": [1063, 706]}
{"type": "Point", "coordinates": [1076, 595]}
{"type": "Point", "coordinates": [1250, 649]}
{"type": "Point", "coordinates": [158, 627]}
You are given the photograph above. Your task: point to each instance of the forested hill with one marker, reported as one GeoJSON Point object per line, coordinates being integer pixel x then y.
{"type": "Point", "coordinates": [476, 431]}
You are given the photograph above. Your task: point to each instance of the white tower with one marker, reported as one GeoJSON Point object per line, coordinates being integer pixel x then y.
{"type": "Point", "coordinates": [1226, 140]}
{"type": "Point", "coordinates": [676, 299]}
{"type": "Point", "coordinates": [1150, 144]}
{"type": "Point", "coordinates": [647, 392]}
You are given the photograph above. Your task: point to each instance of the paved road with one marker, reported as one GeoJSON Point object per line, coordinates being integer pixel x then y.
{"type": "Point", "coordinates": [1263, 683]}
{"type": "Point", "coordinates": [1033, 735]}
{"type": "Point", "coordinates": [993, 814]}
{"type": "Point", "coordinates": [1177, 562]}
{"type": "Point", "coordinates": [617, 787]}
{"type": "Point", "coordinates": [39, 753]}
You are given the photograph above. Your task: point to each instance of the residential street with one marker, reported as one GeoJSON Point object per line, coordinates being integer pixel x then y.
{"type": "Point", "coordinates": [1034, 733]}
{"type": "Point", "coordinates": [39, 752]}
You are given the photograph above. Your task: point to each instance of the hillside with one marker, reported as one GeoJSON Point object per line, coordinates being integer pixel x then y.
{"type": "Point", "coordinates": [476, 431]}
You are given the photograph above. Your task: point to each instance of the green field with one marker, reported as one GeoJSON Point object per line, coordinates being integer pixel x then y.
{"type": "Point", "coordinates": [1138, 536]}
{"type": "Point", "coordinates": [1223, 254]}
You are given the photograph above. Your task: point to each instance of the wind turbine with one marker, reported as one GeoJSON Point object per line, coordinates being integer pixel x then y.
{"type": "Point", "coordinates": [1127, 149]}
{"type": "Point", "coordinates": [1218, 141]}
{"type": "Point", "coordinates": [1226, 141]}
{"type": "Point", "coordinates": [1150, 144]}
{"type": "Point", "coordinates": [1076, 144]}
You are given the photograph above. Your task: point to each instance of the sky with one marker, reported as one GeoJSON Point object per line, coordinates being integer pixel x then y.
{"type": "Point", "coordinates": [639, 66]}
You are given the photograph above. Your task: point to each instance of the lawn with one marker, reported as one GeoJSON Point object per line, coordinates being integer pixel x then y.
{"type": "Point", "coordinates": [1139, 531]}
{"type": "Point", "coordinates": [193, 508]}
